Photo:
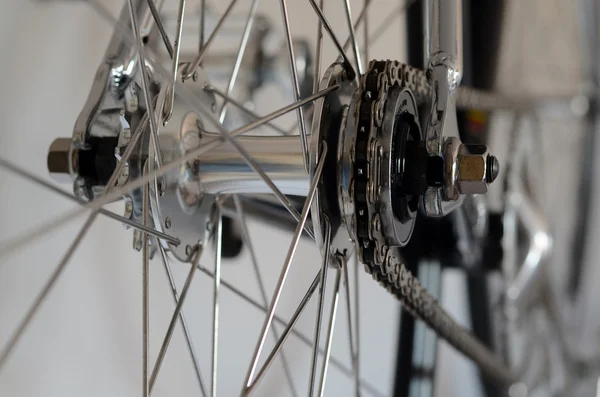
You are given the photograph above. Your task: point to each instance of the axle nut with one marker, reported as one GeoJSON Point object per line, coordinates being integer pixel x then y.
{"type": "Point", "coordinates": [476, 169]}
{"type": "Point", "coordinates": [58, 160]}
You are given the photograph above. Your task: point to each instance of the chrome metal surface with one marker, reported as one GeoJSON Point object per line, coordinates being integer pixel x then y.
{"type": "Point", "coordinates": [222, 170]}
{"type": "Point", "coordinates": [443, 38]}
{"type": "Point", "coordinates": [327, 123]}
{"type": "Point", "coordinates": [188, 214]}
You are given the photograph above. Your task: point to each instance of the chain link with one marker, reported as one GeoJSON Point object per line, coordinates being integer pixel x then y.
{"type": "Point", "coordinates": [415, 79]}
{"type": "Point", "coordinates": [381, 261]}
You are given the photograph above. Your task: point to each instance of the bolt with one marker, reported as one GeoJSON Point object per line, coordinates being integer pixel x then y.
{"type": "Point", "coordinates": [477, 168]}
{"type": "Point", "coordinates": [168, 222]}
{"type": "Point", "coordinates": [492, 168]}
{"type": "Point", "coordinates": [58, 160]}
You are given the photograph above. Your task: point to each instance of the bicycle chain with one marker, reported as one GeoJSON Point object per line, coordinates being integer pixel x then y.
{"type": "Point", "coordinates": [466, 97]}
{"type": "Point", "coordinates": [381, 261]}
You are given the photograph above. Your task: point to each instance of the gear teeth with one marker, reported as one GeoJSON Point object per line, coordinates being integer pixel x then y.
{"type": "Point", "coordinates": [381, 261]}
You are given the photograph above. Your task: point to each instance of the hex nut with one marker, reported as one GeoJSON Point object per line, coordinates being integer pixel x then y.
{"type": "Point", "coordinates": [472, 167]}
{"type": "Point", "coordinates": [58, 160]}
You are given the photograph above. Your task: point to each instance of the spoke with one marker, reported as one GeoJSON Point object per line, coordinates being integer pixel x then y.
{"type": "Point", "coordinates": [177, 313]}
{"type": "Point", "coordinates": [347, 65]}
{"type": "Point", "coordinates": [182, 319]}
{"type": "Point", "coordinates": [175, 65]}
{"type": "Point", "coordinates": [308, 115]}
{"type": "Point", "coordinates": [216, 287]}
{"type": "Point", "coordinates": [357, 324]}
{"type": "Point", "coordinates": [145, 290]}
{"type": "Point", "coordinates": [27, 175]}
{"type": "Point", "coordinates": [387, 22]}
{"type": "Point", "coordinates": [240, 56]}
{"type": "Point", "coordinates": [353, 37]}
{"type": "Point", "coordinates": [332, 315]}
{"type": "Point", "coordinates": [290, 330]}
{"type": "Point", "coordinates": [350, 324]}
{"type": "Point", "coordinates": [318, 51]}
{"type": "Point", "coordinates": [202, 24]}
{"type": "Point", "coordinates": [191, 155]}
{"type": "Point", "coordinates": [12, 342]}
{"type": "Point", "coordinates": [229, 99]}
{"type": "Point", "coordinates": [366, 30]}
{"type": "Point", "coordinates": [295, 84]}
{"type": "Point", "coordinates": [190, 69]}
{"type": "Point", "coordinates": [197, 105]}
{"type": "Point", "coordinates": [286, 332]}
{"type": "Point", "coordinates": [362, 18]}
{"type": "Point", "coordinates": [41, 297]}
{"type": "Point", "coordinates": [160, 26]}
{"type": "Point", "coordinates": [286, 267]}
{"type": "Point", "coordinates": [248, 241]}
{"type": "Point", "coordinates": [322, 290]}
{"type": "Point", "coordinates": [144, 79]}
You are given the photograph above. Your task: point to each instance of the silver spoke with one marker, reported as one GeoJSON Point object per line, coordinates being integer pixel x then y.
{"type": "Point", "coordinates": [350, 323]}
{"type": "Point", "coordinates": [322, 290]}
{"type": "Point", "coordinates": [347, 65]}
{"type": "Point", "coordinates": [175, 65]}
{"type": "Point", "coordinates": [290, 330]}
{"type": "Point", "coordinates": [216, 287]}
{"type": "Point", "coordinates": [145, 290]}
{"type": "Point", "coordinates": [202, 24]}
{"type": "Point", "coordinates": [318, 51]}
{"type": "Point", "coordinates": [184, 326]}
{"type": "Point", "coordinates": [387, 22]}
{"type": "Point", "coordinates": [240, 56]}
{"type": "Point", "coordinates": [191, 68]}
{"type": "Point", "coordinates": [144, 78]}
{"type": "Point", "coordinates": [355, 48]}
{"type": "Point", "coordinates": [196, 105]}
{"type": "Point", "coordinates": [286, 332]}
{"type": "Point", "coordinates": [120, 191]}
{"type": "Point", "coordinates": [357, 324]}
{"type": "Point", "coordinates": [248, 241]}
{"type": "Point", "coordinates": [362, 19]}
{"type": "Point", "coordinates": [41, 297]}
{"type": "Point", "coordinates": [286, 267]}
{"type": "Point", "coordinates": [365, 29]}
{"type": "Point", "coordinates": [237, 104]}
{"type": "Point", "coordinates": [12, 342]}
{"type": "Point", "coordinates": [27, 175]}
{"type": "Point", "coordinates": [160, 26]}
{"type": "Point", "coordinates": [167, 339]}
{"type": "Point", "coordinates": [295, 83]}
{"type": "Point", "coordinates": [332, 316]}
